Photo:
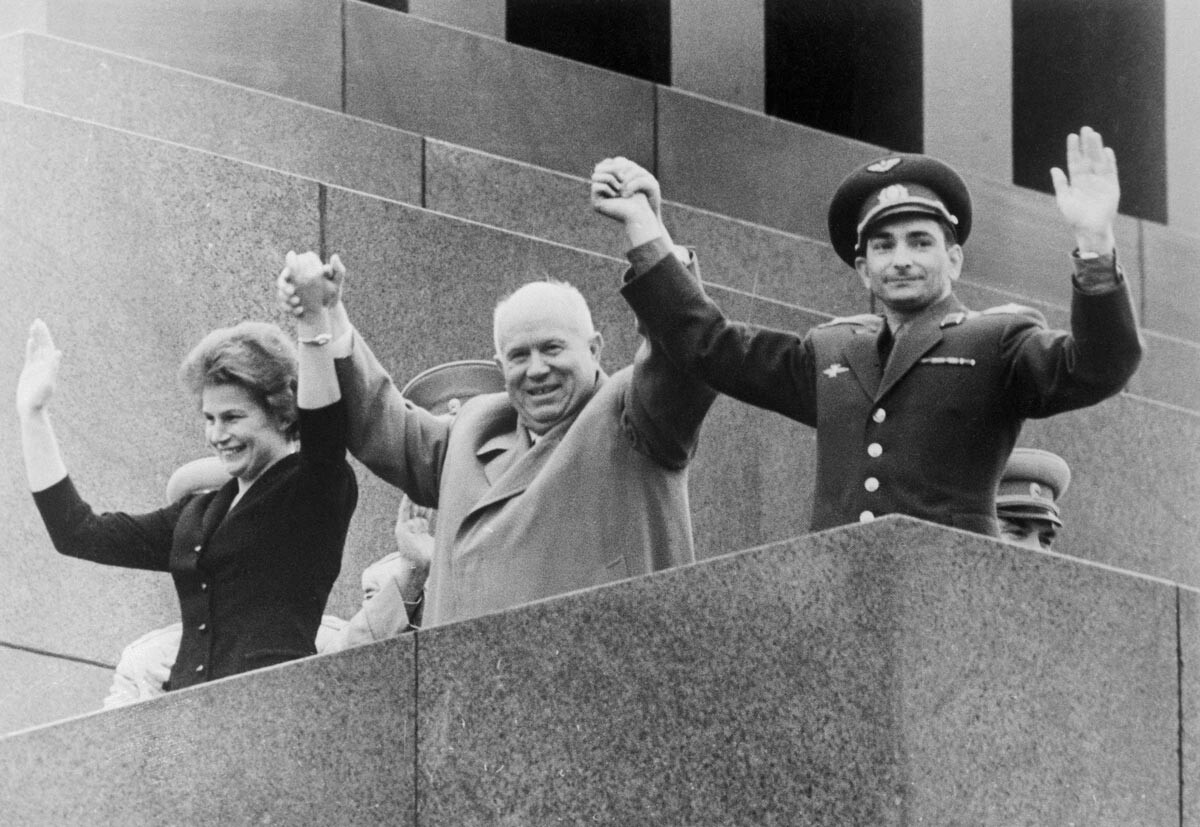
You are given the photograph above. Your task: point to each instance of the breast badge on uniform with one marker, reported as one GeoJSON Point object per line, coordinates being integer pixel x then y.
{"type": "Point", "coordinates": [833, 370]}
{"type": "Point", "coordinates": [948, 360]}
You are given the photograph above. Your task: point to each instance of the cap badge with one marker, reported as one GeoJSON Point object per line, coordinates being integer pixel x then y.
{"type": "Point", "coordinates": [894, 194]}
{"type": "Point", "coordinates": [1035, 489]}
{"type": "Point", "coordinates": [833, 370]}
{"type": "Point", "coordinates": [883, 165]}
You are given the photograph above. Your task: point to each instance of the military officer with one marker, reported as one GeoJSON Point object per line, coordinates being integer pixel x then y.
{"type": "Point", "coordinates": [916, 408]}
{"type": "Point", "coordinates": [1027, 500]}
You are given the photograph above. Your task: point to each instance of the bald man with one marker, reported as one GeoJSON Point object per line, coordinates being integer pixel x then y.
{"type": "Point", "coordinates": [568, 478]}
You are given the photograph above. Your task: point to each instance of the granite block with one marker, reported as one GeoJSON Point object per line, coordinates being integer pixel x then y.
{"type": "Point", "coordinates": [289, 47]}
{"type": "Point", "coordinates": [326, 740]}
{"type": "Point", "coordinates": [1134, 485]}
{"type": "Point", "coordinates": [1170, 371]}
{"type": "Point", "coordinates": [769, 263]}
{"type": "Point", "coordinates": [1189, 695]}
{"type": "Point", "coordinates": [1021, 244]}
{"type": "Point", "coordinates": [1172, 299]}
{"type": "Point", "coordinates": [478, 16]}
{"type": "Point", "coordinates": [16, 15]}
{"type": "Point", "coordinates": [482, 92]}
{"type": "Point", "coordinates": [554, 206]}
{"type": "Point", "coordinates": [245, 124]}
{"type": "Point", "coordinates": [896, 673]}
{"type": "Point", "coordinates": [753, 477]}
{"type": "Point", "coordinates": [131, 250]}
{"type": "Point", "coordinates": [39, 688]}
{"type": "Point", "coordinates": [517, 196]}
{"type": "Point", "coordinates": [746, 165]}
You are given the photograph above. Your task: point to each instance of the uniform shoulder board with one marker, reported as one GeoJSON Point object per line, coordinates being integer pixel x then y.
{"type": "Point", "coordinates": [862, 320]}
{"type": "Point", "coordinates": [1012, 309]}
{"type": "Point", "coordinates": [952, 319]}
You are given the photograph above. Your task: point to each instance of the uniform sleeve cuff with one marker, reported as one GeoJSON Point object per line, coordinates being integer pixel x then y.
{"type": "Point", "coordinates": [645, 256]}
{"type": "Point", "coordinates": [1096, 274]}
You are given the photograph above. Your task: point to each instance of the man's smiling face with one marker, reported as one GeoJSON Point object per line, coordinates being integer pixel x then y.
{"type": "Point", "coordinates": [549, 353]}
{"type": "Point", "coordinates": [908, 263]}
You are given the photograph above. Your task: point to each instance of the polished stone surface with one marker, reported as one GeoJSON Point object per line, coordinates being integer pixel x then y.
{"type": "Point", "coordinates": [289, 47]}
{"type": "Point", "coordinates": [130, 250]}
{"type": "Point", "coordinates": [1134, 485]}
{"type": "Point", "coordinates": [39, 688]}
{"type": "Point", "coordinates": [1021, 244]}
{"type": "Point", "coordinates": [746, 165]}
{"type": "Point", "coordinates": [1172, 302]}
{"type": "Point", "coordinates": [1189, 647]}
{"type": "Point", "coordinates": [327, 740]}
{"type": "Point", "coordinates": [553, 206]}
{"type": "Point", "coordinates": [245, 124]}
{"type": "Point", "coordinates": [479, 16]}
{"type": "Point", "coordinates": [450, 84]}
{"type": "Point", "coordinates": [897, 673]}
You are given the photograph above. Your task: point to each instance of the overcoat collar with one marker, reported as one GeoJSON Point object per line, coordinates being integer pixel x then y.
{"type": "Point", "coordinates": [512, 470]}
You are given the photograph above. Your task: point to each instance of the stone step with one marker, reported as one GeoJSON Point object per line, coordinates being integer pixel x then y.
{"type": "Point", "coordinates": [347, 151]}
{"type": "Point", "coordinates": [479, 91]}
{"type": "Point", "coordinates": [131, 248]}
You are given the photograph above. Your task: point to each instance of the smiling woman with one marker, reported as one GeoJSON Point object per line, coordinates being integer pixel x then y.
{"type": "Point", "coordinates": [254, 560]}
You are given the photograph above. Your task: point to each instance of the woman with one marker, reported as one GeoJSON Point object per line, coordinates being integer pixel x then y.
{"type": "Point", "coordinates": [254, 560]}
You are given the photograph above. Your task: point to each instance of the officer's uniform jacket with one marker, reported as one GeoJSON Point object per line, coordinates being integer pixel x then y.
{"type": "Point", "coordinates": [599, 497]}
{"type": "Point", "coordinates": [925, 433]}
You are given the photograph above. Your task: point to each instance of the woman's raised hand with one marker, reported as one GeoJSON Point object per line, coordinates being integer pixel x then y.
{"type": "Point", "coordinates": [40, 374]}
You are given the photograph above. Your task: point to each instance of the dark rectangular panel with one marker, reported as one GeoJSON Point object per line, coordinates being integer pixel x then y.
{"type": "Point", "coordinates": [851, 68]}
{"type": "Point", "coordinates": [632, 37]}
{"type": "Point", "coordinates": [1099, 64]}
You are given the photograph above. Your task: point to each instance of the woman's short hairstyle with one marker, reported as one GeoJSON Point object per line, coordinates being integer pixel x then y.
{"type": "Point", "coordinates": [256, 356]}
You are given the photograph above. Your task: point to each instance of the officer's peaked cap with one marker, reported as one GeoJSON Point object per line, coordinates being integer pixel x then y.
{"type": "Point", "coordinates": [435, 388]}
{"type": "Point", "coordinates": [898, 184]}
{"type": "Point", "coordinates": [1032, 482]}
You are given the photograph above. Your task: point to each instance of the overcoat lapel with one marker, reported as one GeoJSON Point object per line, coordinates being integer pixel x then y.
{"type": "Point", "coordinates": [526, 462]}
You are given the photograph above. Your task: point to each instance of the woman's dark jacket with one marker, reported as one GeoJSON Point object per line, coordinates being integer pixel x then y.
{"type": "Point", "coordinates": [252, 580]}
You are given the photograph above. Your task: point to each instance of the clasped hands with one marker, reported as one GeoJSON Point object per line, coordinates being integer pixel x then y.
{"type": "Point", "coordinates": [307, 284]}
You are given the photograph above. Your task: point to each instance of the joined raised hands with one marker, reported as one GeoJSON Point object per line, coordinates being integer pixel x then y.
{"type": "Point", "coordinates": [40, 374]}
{"type": "Point", "coordinates": [614, 184]}
{"type": "Point", "coordinates": [305, 284]}
{"type": "Point", "coordinates": [1088, 192]}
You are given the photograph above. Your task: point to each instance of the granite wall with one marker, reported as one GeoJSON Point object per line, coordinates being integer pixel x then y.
{"type": "Point", "coordinates": [894, 673]}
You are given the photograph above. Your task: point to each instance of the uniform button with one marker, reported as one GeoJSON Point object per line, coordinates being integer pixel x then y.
{"type": "Point", "coordinates": [871, 484]}
{"type": "Point", "coordinates": [197, 549]}
{"type": "Point", "coordinates": [866, 517]}
{"type": "Point", "coordinates": [874, 449]}
{"type": "Point", "coordinates": [879, 415]}
{"type": "Point", "coordinates": [200, 668]}
{"type": "Point", "coordinates": [203, 587]}
{"type": "Point", "coordinates": [203, 627]}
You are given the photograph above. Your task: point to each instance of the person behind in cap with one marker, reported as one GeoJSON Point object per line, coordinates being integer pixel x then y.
{"type": "Point", "coordinates": [916, 409]}
{"type": "Point", "coordinates": [1027, 498]}
{"type": "Point", "coordinates": [570, 478]}
{"type": "Point", "coordinates": [394, 585]}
